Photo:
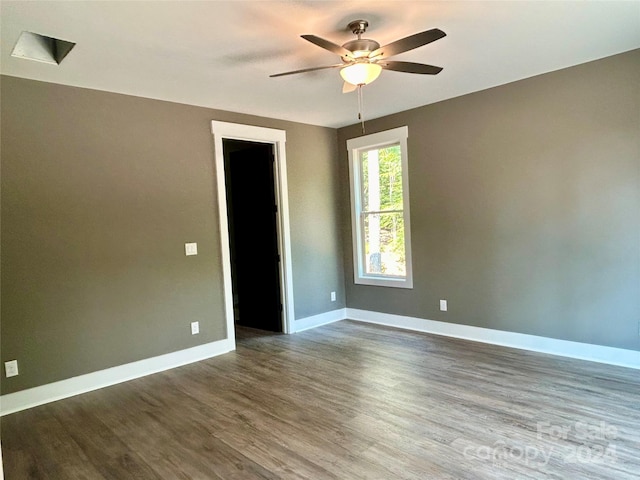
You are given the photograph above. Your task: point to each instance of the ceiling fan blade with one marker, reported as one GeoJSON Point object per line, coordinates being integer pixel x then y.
{"type": "Point", "coordinates": [327, 45]}
{"type": "Point", "coordinates": [408, 43]}
{"type": "Point", "coordinates": [348, 87]}
{"type": "Point", "coordinates": [410, 67]}
{"type": "Point", "coordinates": [307, 70]}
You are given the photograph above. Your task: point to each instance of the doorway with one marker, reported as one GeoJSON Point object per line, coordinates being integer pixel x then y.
{"type": "Point", "coordinates": [253, 234]}
{"type": "Point", "coordinates": [277, 140]}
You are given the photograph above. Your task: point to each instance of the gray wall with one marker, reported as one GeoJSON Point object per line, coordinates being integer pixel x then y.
{"type": "Point", "coordinates": [99, 194]}
{"type": "Point", "coordinates": [525, 203]}
{"type": "Point", "coordinates": [315, 209]}
{"type": "Point", "coordinates": [525, 207]}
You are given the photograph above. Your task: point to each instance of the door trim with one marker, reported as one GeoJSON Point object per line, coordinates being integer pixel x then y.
{"type": "Point", "coordinates": [278, 138]}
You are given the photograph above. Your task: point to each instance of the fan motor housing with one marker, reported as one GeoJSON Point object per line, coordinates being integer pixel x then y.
{"type": "Point", "coordinates": [360, 45]}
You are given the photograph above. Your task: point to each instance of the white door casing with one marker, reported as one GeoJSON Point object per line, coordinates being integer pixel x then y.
{"type": "Point", "coordinates": [249, 133]}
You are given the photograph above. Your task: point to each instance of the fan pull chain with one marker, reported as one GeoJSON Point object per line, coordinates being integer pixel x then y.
{"type": "Point", "coordinates": [361, 107]}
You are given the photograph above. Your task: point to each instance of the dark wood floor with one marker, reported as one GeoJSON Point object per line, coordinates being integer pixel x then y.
{"type": "Point", "coordinates": [347, 401]}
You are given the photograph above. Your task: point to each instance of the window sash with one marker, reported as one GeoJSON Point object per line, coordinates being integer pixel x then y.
{"type": "Point", "coordinates": [358, 149]}
{"type": "Point", "coordinates": [380, 258]}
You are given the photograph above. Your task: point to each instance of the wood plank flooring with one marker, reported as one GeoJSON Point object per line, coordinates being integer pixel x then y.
{"type": "Point", "coordinates": [343, 401]}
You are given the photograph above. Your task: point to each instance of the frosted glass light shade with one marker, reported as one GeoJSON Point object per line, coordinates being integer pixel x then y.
{"type": "Point", "coordinates": [361, 73]}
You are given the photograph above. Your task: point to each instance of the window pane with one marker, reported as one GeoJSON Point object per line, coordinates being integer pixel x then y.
{"type": "Point", "coordinates": [384, 244]}
{"type": "Point", "coordinates": [382, 179]}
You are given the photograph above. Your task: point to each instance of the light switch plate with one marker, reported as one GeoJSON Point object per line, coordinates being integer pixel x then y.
{"type": "Point", "coordinates": [11, 368]}
{"type": "Point", "coordinates": [190, 249]}
{"type": "Point", "coordinates": [443, 305]}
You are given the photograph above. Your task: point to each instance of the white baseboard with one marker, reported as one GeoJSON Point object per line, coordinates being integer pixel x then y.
{"type": "Point", "coordinates": [553, 346]}
{"type": "Point", "coordinates": [14, 402]}
{"type": "Point", "coordinates": [321, 319]}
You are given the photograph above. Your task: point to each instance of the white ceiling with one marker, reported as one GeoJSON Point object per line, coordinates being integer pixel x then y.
{"type": "Point", "coordinates": [220, 54]}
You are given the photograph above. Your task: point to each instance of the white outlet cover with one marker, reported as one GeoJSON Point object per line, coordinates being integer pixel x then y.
{"type": "Point", "coordinates": [195, 328]}
{"type": "Point", "coordinates": [333, 296]}
{"type": "Point", "coordinates": [11, 368]}
{"type": "Point", "coordinates": [190, 249]}
{"type": "Point", "coordinates": [443, 305]}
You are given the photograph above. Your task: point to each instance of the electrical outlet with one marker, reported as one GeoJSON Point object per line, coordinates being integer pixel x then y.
{"type": "Point", "coordinates": [443, 305]}
{"type": "Point", "coordinates": [190, 249]}
{"type": "Point", "coordinates": [195, 328]}
{"type": "Point", "coordinates": [11, 368]}
{"type": "Point", "coordinates": [333, 296]}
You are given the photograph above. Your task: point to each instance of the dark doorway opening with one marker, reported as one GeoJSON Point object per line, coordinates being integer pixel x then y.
{"type": "Point", "coordinates": [253, 234]}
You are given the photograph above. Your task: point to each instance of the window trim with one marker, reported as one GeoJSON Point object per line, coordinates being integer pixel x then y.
{"type": "Point", "coordinates": [355, 146]}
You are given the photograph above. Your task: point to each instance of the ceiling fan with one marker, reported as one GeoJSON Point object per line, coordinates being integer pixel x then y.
{"type": "Point", "coordinates": [363, 60]}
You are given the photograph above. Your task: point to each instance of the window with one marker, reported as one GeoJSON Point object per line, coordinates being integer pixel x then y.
{"type": "Point", "coordinates": [380, 209]}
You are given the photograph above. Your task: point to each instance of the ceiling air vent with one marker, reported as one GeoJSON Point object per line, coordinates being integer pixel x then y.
{"type": "Point", "coordinates": [33, 46]}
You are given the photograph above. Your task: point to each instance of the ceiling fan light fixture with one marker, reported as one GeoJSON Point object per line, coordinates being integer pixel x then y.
{"type": "Point", "coordinates": [360, 73]}
{"type": "Point", "coordinates": [363, 59]}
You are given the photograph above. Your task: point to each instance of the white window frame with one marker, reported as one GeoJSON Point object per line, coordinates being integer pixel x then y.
{"type": "Point", "coordinates": [355, 146]}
